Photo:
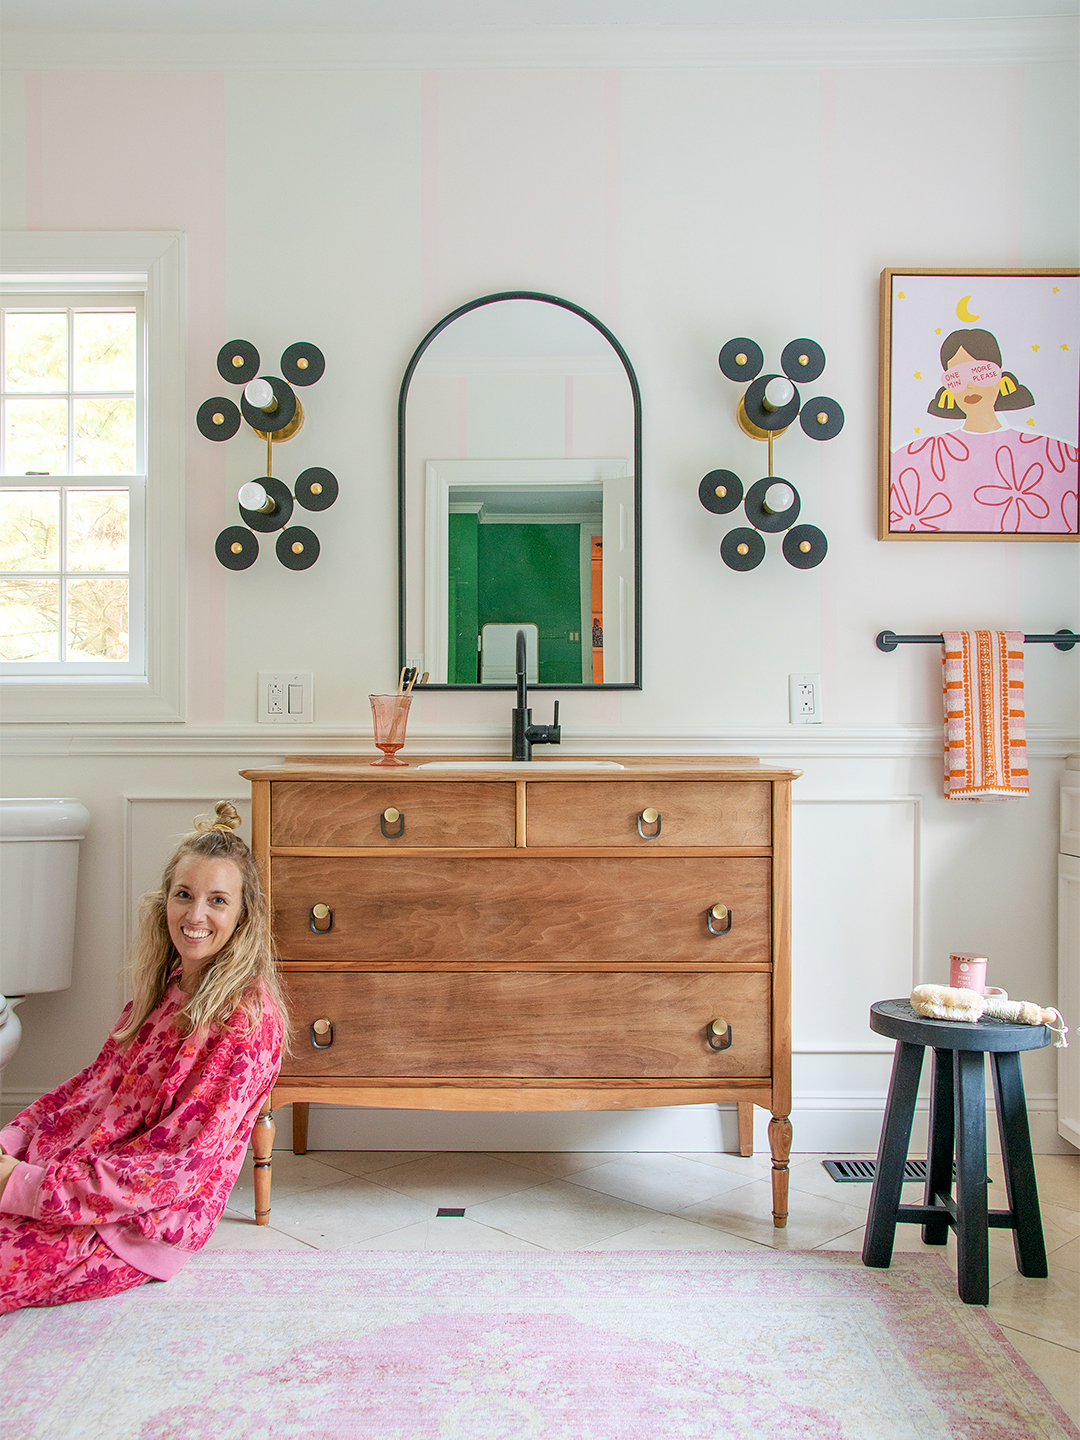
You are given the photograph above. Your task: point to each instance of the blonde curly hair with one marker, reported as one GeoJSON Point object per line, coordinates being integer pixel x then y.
{"type": "Point", "coordinates": [242, 975]}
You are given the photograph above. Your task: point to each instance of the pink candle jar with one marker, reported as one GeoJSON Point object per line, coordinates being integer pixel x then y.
{"type": "Point", "coordinates": [967, 971]}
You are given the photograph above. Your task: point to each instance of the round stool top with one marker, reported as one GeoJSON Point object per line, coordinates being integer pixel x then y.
{"type": "Point", "coordinates": [897, 1020]}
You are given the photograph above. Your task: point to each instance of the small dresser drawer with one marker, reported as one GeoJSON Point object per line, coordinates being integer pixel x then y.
{"type": "Point", "coordinates": [335, 812]}
{"type": "Point", "coordinates": [646, 910]}
{"type": "Point", "coordinates": [529, 1025]}
{"type": "Point", "coordinates": [649, 812]}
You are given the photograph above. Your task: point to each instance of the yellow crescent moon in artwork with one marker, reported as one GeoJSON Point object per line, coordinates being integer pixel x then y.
{"type": "Point", "coordinates": [963, 313]}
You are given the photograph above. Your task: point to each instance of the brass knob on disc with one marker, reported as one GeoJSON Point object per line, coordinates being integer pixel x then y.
{"type": "Point", "coordinates": [320, 912]}
{"type": "Point", "coordinates": [322, 1026]}
{"type": "Point", "coordinates": [719, 912]}
{"type": "Point", "coordinates": [650, 816]}
{"type": "Point", "coordinates": [390, 815]}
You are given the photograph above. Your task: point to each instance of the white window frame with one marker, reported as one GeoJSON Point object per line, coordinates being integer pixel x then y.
{"type": "Point", "coordinates": [66, 262]}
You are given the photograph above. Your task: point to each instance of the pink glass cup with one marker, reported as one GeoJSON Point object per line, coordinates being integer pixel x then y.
{"type": "Point", "coordinates": [390, 713]}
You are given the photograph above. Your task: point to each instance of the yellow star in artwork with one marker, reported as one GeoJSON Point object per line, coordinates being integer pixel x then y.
{"type": "Point", "coordinates": [1031, 422]}
{"type": "Point", "coordinates": [1056, 289]}
{"type": "Point", "coordinates": [918, 429]}
{"type": "Point", "coordinates": [917, 375]}
{"type": "Point", "coordinates": [938, 330]}
{"type": "Point", "coordinates": [900, 295]}
{"type": "Point", "coordinates": [1064, 347]}
{"type": "Point", "coordinates": [1035, 348]}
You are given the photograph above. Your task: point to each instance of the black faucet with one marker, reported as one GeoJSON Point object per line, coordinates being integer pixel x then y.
{"type": "Point", "coordinates": [525, 733]}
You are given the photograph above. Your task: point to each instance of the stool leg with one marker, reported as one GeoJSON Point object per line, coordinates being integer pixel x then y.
{"type": "Point", "coordinates": [1020, 1188]}
{"type": "Point", "coordinates": [972, 1230]}
{"type": "Point", "coordinates": [939, 1155]}
{"type": "Point", "coordinates": [892, 1152]}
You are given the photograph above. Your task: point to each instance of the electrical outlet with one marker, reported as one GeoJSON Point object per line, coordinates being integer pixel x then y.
{"type": "Point", "coordinates": [804, 699]}
{"type": "Point", "coordinates": [286, 698]}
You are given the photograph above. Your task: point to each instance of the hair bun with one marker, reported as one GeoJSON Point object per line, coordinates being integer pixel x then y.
{"type": "Point", "coordinates": [226, 818]}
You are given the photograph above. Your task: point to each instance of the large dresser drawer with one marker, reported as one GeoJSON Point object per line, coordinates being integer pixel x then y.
{"type": "Point", "coordinates": [522, 909]}
{"type": "Point", "coordinates": [529, 1025]}
{"type": "Point", "coordinates": [689, 812]}
{"type": "Point", "coordinates": [335, 812]}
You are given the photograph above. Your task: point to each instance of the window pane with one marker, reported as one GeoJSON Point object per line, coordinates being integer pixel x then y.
{"type": "Point", "coordinates": [35, 437]}
{"type": "Point", "coordinates": [29, 619]}
{"type": "Point", "coordinates": [104, 437]}
{"type": "Point", "coordinates": [30, 530]}
{"type": "Point", "coordinates": [97, 530]}
{"type": "Point", "coordinates": [104, 350]}
{"type": "Point", "coordinates": [35, 351]}
{"type": "Point", "coordinates": [97, 620]}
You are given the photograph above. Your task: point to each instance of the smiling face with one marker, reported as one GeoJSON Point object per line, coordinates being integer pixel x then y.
{"type": "Point", "coordinates": [202, 910]}
{"type": "Point", "coordinates": [975, 401]}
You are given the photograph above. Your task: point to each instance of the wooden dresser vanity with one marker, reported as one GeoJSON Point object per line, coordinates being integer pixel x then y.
{"type": "Point", "coordinates": [538, 938]}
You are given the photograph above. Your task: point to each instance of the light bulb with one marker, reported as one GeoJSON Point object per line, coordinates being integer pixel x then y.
{"type": "Point", "coordinates": [253, 496]}
{"type": "Point", "coordinates": [778, 498]}
{"type": "Point", "coordinates": [778, 393]}
{"type": "Point", "coordinates": [260, 394]}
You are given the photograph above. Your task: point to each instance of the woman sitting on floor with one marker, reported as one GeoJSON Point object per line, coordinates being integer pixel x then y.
{"type": "Point", "coordinates": [119, 1175]}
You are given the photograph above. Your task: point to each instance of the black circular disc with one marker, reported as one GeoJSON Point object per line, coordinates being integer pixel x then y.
{"type": "Point", "coordinates": [802, 361]}
{"type": "Point", "coordinates": [297, 547]}
{"type": "Point", "coordinates": [814, 425]}
{"type": "Point", "coordinates": [799, 536]}
{"type": "Point", "coordinates": [236, 548]}
{"type": "Point", "coordinates": [714, 482]}
{"type": "Point", "coordinates": [238, 362]}
{"type": "Point", "coordinates": [302, 364]}
{"type": "Point", "coordinates": [762, 519]}
{"type": "Point", "coordinates": [280, 516]}
{"type": "Point", "coordinates": [756, 413]}
{"type": "Point", "coordinates": [218, 418]}
{"type": "Point", "coordinates": [755, 549]}
{"type": "Point", "coordinates": [277, 419]}
{"type": "Point", "coordinates": [316, 489]}
{"type": "Point", "coordinates": [752, 359]}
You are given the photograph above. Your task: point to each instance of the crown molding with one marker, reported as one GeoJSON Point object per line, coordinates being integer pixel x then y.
{"type": "Point", "coordinates": [1012, 41]}
{"type": "Point", "coordinates": [251, 744]}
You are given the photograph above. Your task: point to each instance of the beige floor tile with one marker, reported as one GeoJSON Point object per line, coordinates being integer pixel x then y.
{"type": "Point", "coordinates": [237, 1232]}
{"type": "Point", "coordinates": [447, 1234]}
{"type": "Point", "coordinates": [452, 1178]}
{"type": "Point", "coordinates": [671, 1233]}
{"type": "Point", "coordinates": [561, 1215]}
{"type": "Point", "coordinates": [289, 1175]}
{"type": "Point", "coordinates": [750, 1167]}
{"type": "Point", "coordinates": [1055, 1366]}
{"type": "Point", "coordinates": [908, 1241]}
{"type": "Point", "coordinates": [1048, 1309]}
{"type": "Point", "coordinates": [1068, 1220]}
{"type": "Point", "coordinates": [1066, 1256]}
{"type": "Point", "coordinates": [747, 1211]}
{"type": "Point", "coordinates": [367, 1162]}
{"type": "Point", "coordinates": [1059, 1180]}
{"type": "Point", "coordinates": [345, 1214]}
{"type": "Point", "coordinates": [662, 1182]}
{"type": "Point", "coordinates": [556, 1164]}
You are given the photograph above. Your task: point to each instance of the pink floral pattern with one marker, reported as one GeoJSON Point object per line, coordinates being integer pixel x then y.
{"type": "Point", "coordinates": [144, 1145]}
{"type": "Point", "coordinates": [1007, 482]}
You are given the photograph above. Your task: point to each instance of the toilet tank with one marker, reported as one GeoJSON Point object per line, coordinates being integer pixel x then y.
{"type": "Point", "coordinates": [39, 867]}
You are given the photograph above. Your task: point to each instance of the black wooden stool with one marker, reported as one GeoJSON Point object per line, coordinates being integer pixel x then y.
{"type": "Point", "coordinates": [957, 1110]}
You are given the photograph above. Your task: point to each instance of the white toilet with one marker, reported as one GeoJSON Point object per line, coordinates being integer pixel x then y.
{"type": "Point", "coordinates": [39, 867]}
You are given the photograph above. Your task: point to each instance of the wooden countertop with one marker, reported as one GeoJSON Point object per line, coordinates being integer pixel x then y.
{"type": "Point", "coordinates": [720, 767]}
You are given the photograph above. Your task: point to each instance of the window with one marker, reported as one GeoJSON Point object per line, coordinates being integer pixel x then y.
{"type": "Point", "coordinates": [90, 477]}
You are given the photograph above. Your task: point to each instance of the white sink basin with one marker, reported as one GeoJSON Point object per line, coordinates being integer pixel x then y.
{"type": "Point", "coordinates": [530, 765]}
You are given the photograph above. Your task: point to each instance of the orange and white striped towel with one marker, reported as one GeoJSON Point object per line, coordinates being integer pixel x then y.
{"type": "Point", "coordinates": [985, 749]}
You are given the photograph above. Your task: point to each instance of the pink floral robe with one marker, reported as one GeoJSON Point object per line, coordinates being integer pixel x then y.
{"type": "Point", "coordinates": [1005, 482]}
{"type": "Point", "coordinates": [127, 1167]}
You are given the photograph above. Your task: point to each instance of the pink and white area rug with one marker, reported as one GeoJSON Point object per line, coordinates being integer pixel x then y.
{"type": "Point", "coordinates": [406, 1345]}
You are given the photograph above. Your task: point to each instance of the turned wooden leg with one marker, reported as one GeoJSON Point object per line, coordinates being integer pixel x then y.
{"type": "Point", "coordinates": [780, 1145]}
{"type": "Point", "coordinates": [262, 1143]}
{"type": "Point", "coordinates": [299, 1127]}
{"type": "Point", "coordinates": [746, 1127]}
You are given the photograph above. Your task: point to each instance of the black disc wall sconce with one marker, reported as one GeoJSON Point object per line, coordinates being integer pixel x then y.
{"type": "Point", "coordinates": [271, 408]}
{"type": "Point", "coordinates": [769, 405]}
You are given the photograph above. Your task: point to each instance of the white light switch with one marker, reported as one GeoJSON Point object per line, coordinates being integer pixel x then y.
{"type": "Point", "coordinates": [286, 698]}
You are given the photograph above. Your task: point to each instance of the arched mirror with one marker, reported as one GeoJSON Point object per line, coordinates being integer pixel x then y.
{"type": "Point", "coordinates": [519, 499]}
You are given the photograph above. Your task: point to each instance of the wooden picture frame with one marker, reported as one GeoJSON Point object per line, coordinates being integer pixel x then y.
{"type": "Point", "coordinates": [982, 443]}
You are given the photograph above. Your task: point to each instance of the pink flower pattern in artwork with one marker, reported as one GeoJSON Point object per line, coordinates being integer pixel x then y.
{"type": "Point", "coordinates": [960, 482]}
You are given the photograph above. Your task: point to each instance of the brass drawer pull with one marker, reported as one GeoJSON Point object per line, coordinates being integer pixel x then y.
{"type": "Point", "coordinates": [718, 1034]}
{"type": "Point", "coordinates": [649, 817]}
{"type": "Point", "coordinates": [321, 919]}
{"type": "Point", "coordinates": [390, 816]}
{"type": "Point", "coordinates": [718, 912]}
{"type": "Point", "coordinates": [322, 1034]}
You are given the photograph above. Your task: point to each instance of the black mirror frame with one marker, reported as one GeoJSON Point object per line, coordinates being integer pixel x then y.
{"type": "Point", "coordinates": [635, 684]}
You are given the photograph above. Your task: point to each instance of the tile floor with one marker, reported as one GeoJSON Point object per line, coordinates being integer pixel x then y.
{"type": "Point", "coordinates": [346, 1200]}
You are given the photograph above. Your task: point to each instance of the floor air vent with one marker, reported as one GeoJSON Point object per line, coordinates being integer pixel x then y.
{"type": "Point", "coordinates": [861, 1172]}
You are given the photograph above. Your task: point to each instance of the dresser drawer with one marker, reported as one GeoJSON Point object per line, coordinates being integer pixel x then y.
{"type": "Point", "coordinates": [529, 1025]}
{"type": "Point", "coordinates": [690, 812]}
{"type": "Point", "coordinates": [522, 909]}
{"type": "Point", "coordinates": [337, 812]}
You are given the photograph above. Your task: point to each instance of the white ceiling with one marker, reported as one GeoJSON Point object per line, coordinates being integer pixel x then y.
{"type": "Point", "coordinates": [344, 15]}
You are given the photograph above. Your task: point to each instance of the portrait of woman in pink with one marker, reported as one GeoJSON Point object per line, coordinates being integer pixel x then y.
{"type": "Point", "coordinates": [989, 471]}
{"type": "Point", "coordinates": [121, 1173]}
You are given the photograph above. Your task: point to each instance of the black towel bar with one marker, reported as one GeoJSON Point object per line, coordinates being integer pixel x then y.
{"type": "Point", "coordinates": [1062, 640]}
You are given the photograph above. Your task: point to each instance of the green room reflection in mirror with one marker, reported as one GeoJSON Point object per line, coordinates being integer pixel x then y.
{"type": "Point", "coordinates": [519, 503]}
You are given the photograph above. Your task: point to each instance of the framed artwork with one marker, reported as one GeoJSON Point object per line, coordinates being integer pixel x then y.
{"type": "Point", "coordinates": [980, 404]}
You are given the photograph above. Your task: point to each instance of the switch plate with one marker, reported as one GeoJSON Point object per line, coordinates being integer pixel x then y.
{"type": "Point", "coordinates": [804, 699]}
{"type": "Point", "coordinates": [286, 697]}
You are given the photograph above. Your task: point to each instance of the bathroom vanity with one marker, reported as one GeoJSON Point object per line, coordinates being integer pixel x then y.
{"type": "Point", "coordinates": [537, 936]}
